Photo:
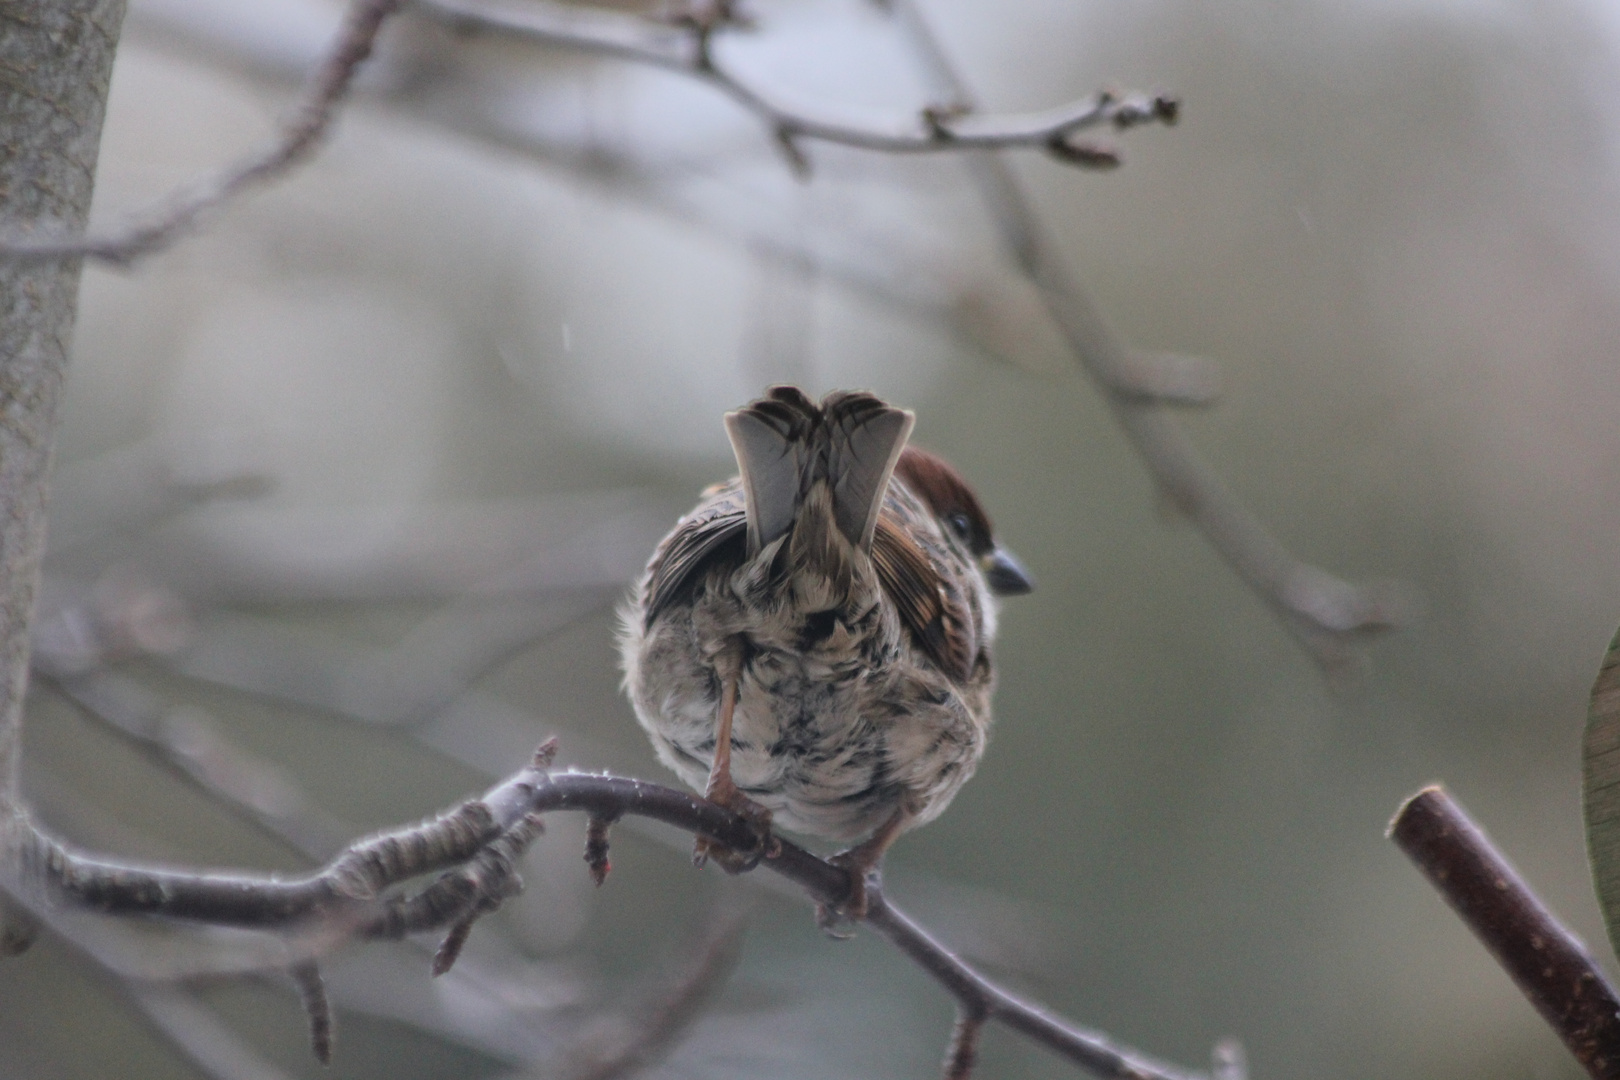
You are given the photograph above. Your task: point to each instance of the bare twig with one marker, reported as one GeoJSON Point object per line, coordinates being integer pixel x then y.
{"type": "Point", "coordinates": [688, 50]}
{"type": "Point", "coordinates": [963, 1052]}
{"type": "Point", "coordinates": [1091, 1050]}
{"type": "Point", "coordinates": [685, 46]}
{"type": "Point", "coordinates": [311, 988]}
{"type": "Point", "coordinates": [1547, 962]}
{"type": "Point", "coordinates": [596, 847]}
{"type": "Point", "coordinates": [475, 890]}
{"type": "Point", "coordinates": [480, 887]}
{"type": "Point", "coordinates": [162, 226]}
{"type": "Point", "coordinates": [1324, 612]}
{"type": "Point", "coordinates": [496, 1004]}
{"type": "Point", "coordinates": [347, 894]}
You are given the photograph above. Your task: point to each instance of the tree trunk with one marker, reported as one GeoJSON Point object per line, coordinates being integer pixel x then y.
{"type": "Point", "coordinates": [56, 60]}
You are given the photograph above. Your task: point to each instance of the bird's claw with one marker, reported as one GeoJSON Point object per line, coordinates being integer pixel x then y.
{"type": "Point", "coordinates": [853, 908]}
{"type": "Point", "coordinates": [724, 792]}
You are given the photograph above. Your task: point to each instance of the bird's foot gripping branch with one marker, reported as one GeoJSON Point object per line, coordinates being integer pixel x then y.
{"type": "Point", "coordinates": [443, 874]}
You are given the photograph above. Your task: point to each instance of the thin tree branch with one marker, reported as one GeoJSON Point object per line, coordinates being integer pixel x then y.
{"type": "Point", "coordinates": [1091, 1050]}
{"type": "Point", "coordinates": [306, 977]}
{"type": "Point", "coordinates": [160, 227]}
{"type": "Point", "coordinates": [963, 1052]}
{"type": "Point", "coordinates": [1326, 614]}
{"type": "Point", "coordinates": [685, 47]}
{"type": "Point", "coordinates": [1549, 964]}
{"type": "Point", "coordinates": [346, 897]}
{"type": "Point", "coordinates": [929, 130]}
{"type": "Point", "coordinates": [492, 1005]}
{"type": "Point", "coordinates": [343, 893]}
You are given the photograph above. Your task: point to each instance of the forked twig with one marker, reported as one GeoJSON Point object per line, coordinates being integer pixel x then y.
{"type": "Point", "coordinates": [684, 45]}
{"type": "Point", "coordinates": [686, 48]}
{"type": "Point", "coordinates": [348, 892]}
{"type": "Point", "coordinates": [347, 898]}
{"type": "Point", "coordinates": [1326, 613]}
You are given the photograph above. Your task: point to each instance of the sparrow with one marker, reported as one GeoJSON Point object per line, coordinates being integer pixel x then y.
{"type": "Point", "coordinates": [810, 645]}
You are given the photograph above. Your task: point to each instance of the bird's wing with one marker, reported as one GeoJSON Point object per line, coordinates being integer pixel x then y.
{"type": "Point", "coordinates": [934, 613]}
{"type": "Point", "coordinates": [716, 530]}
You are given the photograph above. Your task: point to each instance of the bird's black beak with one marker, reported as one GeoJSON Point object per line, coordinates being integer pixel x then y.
{"type": "Point", "coordinates": [1004, 574]}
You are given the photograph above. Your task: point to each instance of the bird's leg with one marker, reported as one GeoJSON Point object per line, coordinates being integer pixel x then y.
{"type": "Point", "coordinates": [859, 861]}
{"type": "Point", "coordinates": [723, 791]}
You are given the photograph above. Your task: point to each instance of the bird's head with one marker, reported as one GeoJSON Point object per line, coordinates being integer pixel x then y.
{"type": "Point", "coordinates": [933, 480]}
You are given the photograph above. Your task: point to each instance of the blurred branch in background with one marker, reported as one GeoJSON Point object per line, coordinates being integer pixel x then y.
{"type": "Point", "coordinates": [124, 589]}
{"type": "Point", "coordinates": [160, 227]}
{"type": "Point", "coordinates": [1325, 613]}
{"type": "Point", "coordinates": [933, 129]}
{"type": "Point", "coordinates": [685, 45]}
{"type": "Point", "coordinates": [421, 686]}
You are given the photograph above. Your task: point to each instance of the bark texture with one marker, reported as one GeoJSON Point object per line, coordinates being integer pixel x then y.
{"type": "Point", "coordinates": [56, 61]}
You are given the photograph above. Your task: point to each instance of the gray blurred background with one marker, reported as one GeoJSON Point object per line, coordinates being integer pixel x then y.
{"type": "Point", "coordinates": [350, 484]}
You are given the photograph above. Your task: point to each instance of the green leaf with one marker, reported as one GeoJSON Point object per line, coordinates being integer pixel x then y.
{"type": "Point", "coordinates": [1601, 790]}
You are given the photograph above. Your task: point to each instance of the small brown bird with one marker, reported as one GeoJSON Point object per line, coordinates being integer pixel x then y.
{"type": "Point", "coordinates": [810, 646]}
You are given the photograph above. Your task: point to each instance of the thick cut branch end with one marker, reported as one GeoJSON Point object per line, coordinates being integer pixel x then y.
{"type": "Point", "coordinates": [1547, 962]}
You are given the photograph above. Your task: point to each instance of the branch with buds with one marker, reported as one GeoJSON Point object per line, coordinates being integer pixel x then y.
{"type": "Point", "coordinates": [364, 893]}
{"type": "Point", "coordinates": [682, 43]}
{"type": "Point", "coordinates": [1326, 614]}
{"type": "Point", "coordinates": [689, 50]}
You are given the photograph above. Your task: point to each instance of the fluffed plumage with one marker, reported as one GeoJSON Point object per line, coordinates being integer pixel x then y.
{"type": "Point", "coordinates": [842, 585]}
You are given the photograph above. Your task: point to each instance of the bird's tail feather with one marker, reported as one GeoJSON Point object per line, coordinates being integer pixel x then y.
{"type": "Point", "coordinates": [785, 443]}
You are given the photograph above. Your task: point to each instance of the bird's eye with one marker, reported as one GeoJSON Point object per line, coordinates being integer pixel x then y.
{"type": "Point", "coordinates": [961, 525]}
